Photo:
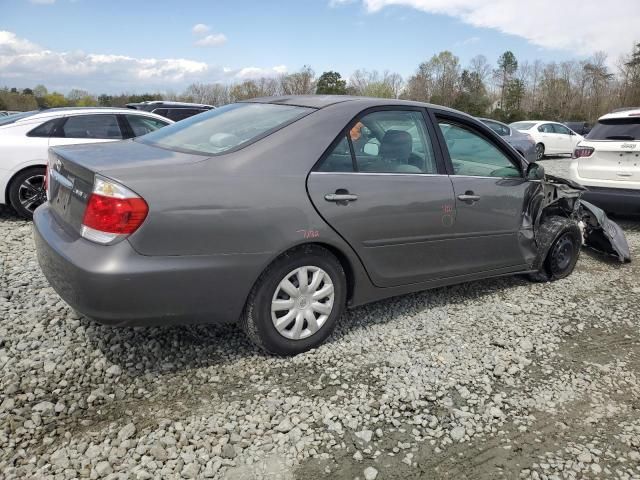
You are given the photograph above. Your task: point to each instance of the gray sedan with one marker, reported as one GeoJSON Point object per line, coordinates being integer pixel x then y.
{"type": "Point", "coordinates": [278, 213]}
{"type": "Point", "coordinates": [523, 143]}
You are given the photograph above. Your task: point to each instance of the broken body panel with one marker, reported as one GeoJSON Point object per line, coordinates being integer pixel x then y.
{"type": "Point", "coordinates": [555, 196]}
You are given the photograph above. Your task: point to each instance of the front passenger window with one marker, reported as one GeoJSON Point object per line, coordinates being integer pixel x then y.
{"type": "Point", "coordinates": [473, 155]}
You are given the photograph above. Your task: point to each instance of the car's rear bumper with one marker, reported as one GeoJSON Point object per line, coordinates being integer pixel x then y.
{"type": "Point", "coordinates": [614, 200]}
{"type": "Point", "coordinates": [117, 286]}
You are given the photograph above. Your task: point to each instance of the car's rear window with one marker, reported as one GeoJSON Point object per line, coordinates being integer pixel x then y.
{"type": "Point", "coordinates": [616, 129]}
{"type": "Point", "coordinates": [522, 125]}
{"type": "Point", "coordinates": [226, 128]}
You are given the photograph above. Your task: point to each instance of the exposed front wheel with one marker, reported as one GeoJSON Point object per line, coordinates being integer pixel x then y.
{"type": "Point", "coordinates": [539, 151]}
{"type": "Point", "coordinates": [27, 191]}
{"type": "Point", "coordinates": [561, 239]}
{"type": "Point", "coordinates": [296, 302]}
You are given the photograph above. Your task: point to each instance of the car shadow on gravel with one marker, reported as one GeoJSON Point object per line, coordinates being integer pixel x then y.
{"type": "Point", "coordinates": [7, 214]}
{"type": "Point", "coordinates": [143, 350]}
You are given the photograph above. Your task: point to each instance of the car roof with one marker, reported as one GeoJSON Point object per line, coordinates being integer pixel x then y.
{"type": "Point", "coordinates": [61, 111]}
{"type": "Point", "coordinates": [323, 101]}
{"type": "Point", "coordinates": [622, 113]}
{"type": "Point", "coordinates": [168, 103]}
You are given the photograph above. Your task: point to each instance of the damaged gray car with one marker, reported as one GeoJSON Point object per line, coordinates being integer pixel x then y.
{"type": "Point", "coordinates": [278, 213]}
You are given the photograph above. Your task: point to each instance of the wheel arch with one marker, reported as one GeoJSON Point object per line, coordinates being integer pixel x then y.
{"type": "Point", "coordinates": [13, 178]}
{"type": "Point", "coordinates": [343, 259]}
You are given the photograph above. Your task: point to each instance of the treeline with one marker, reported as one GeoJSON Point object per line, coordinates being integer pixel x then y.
{"type": "Point", "coordinates": [508, 90]}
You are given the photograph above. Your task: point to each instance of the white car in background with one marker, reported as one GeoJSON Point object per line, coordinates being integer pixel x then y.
{"type": "Point", "coordinates": [552, 138]}
{"type": "Point", "coordinates": [607, 162]}
{"type": "Point", "coordinates": [25, 139]}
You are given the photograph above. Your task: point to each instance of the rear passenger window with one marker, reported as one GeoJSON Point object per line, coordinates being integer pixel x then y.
{"type": "Point", "coordinates": [44, 130]}
{"type": "Point", "coordinates": [91, 126]}
{"type": "Point", "coordinates": [385, 141]}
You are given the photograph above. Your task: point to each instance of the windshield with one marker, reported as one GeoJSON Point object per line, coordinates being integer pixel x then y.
{"type": "Point", "coordinates": [522, 125]}
{"type": "Point", "coordinates": [16, 116]}
{"type": "Point", "coordinates": [225, 128]}
{"type": "Point", "coordinates": [616, 129]}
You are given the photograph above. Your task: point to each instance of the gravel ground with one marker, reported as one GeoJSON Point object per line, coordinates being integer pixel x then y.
{"type": "Point", "coordinates": [493, 379]}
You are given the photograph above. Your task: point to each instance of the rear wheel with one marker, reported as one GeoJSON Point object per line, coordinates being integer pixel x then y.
{"type": "Point", "coordinates": [539, 151]}
{"type": "Point", "coordinates": [296, 302]}
{"type": "Point", "coordinates": [561, 238]}
{"type": "Point", "coordinates": [27, 191]}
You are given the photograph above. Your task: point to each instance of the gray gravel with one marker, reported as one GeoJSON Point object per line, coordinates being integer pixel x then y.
{"type": "Point", "coordinates": [494, 379]}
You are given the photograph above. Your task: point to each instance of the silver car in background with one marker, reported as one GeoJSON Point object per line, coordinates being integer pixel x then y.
{"type": "Point", "coordinates": [523, 143]}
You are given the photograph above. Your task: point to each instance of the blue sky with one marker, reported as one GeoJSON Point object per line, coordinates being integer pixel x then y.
{"type": "Point", "coordinates": [111, 45]}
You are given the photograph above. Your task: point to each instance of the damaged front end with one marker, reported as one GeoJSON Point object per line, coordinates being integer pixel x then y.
{"type": "Point", "coordinates": [554, 197]}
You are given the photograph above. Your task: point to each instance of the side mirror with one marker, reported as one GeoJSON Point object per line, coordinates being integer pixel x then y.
{"type": "Point", "coordinates": [535, 171]}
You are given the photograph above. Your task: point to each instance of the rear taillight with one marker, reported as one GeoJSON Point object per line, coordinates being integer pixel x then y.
{"type": "Point", "coordinates": [582, 152]}
{"type": "Point", "coordinates": [530, 138]}
{"type": "Point", "coordinates": [113, 211]}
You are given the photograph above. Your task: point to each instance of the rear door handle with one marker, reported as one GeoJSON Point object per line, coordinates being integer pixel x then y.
{"type": "Point", "coordinates": [340, 197]}
{"type": "Point", "coordinates": [469, 198]}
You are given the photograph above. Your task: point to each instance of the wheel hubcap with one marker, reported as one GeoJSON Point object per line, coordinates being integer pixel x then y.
{"type": "Point", "coordinates": [31, 192]}
{"type": "Point", "coordinates": [539, 152]}
{"type": "Point", "coordinates": [302, 302]}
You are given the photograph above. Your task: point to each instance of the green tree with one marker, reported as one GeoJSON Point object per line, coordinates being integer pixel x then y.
{"type": "Point", "coordinates": [55, 99]}
{"type": "Point", "coordinates": [472, 97]}
{"type": "Point", "coordinates": [507, 67]}
{"type": "Point", "coordinates": [331, 83]}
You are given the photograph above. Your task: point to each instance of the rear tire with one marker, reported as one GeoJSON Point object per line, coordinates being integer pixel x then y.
{"type": "Point", "coordinates": [283, 316]}
{"type": "Point", "coordinates": [26, 191]}
{"type": "Point", "coordinates": [560, 240]}
{"type": "Point", "coordinates": [539, 151]}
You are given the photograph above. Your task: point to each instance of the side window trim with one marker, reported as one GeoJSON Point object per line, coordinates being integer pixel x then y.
{"type": "Point", "coordinates": [447, 116]}
{"type": "Point", "coordinates": [441, 165]}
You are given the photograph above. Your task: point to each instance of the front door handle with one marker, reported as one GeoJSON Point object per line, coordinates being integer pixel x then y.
{"type": "Point", "coordinates": [340, 197]}
{"type": "Point", "coordinates": [469, 198]}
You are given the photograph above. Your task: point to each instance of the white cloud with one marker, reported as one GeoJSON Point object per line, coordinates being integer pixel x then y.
{"type": "Point", "coordinates": [200, 29]}
{"type": "Point", "coordinates": [25, 64]}
{"type": "Point", "coordinates": [580, 26]}
{"type": "Point", "coordinates": [213, 40]}
{"type": "Point", "coordinates": [257, 72]}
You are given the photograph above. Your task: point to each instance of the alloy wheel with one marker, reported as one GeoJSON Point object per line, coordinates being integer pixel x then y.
{"type": "Point", "coordinates": [31, 192]}
{"type": "Point", "coordinates": [302, 302]}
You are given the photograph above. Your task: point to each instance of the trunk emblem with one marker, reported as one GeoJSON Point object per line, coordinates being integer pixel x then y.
{"type": "Point", "coordinates": [628, 145]}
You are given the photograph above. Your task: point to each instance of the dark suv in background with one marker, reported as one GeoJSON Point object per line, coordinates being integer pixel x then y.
{"type": "Point", "coordinates": [175, 111]}
{"type": "Point", "coordinates": [581, 128]}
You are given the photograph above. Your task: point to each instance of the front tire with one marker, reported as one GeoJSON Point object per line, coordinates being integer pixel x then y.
{"type": "Point", "coordinates": [295, 304]}
{"type": "Point", "coordinates": [561, 239]}
{"type": "Point", "coordinates": [539, 151]}
{"type": "Point", "coordinates": [27, 192]}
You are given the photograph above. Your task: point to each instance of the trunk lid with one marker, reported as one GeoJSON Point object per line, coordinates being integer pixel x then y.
{"type": "Point", "coordinates": [72, 171]}
{"type": "Point", "coordinates": [69, 187]}
{"type": "Point", "coordinates": [612, 160]}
